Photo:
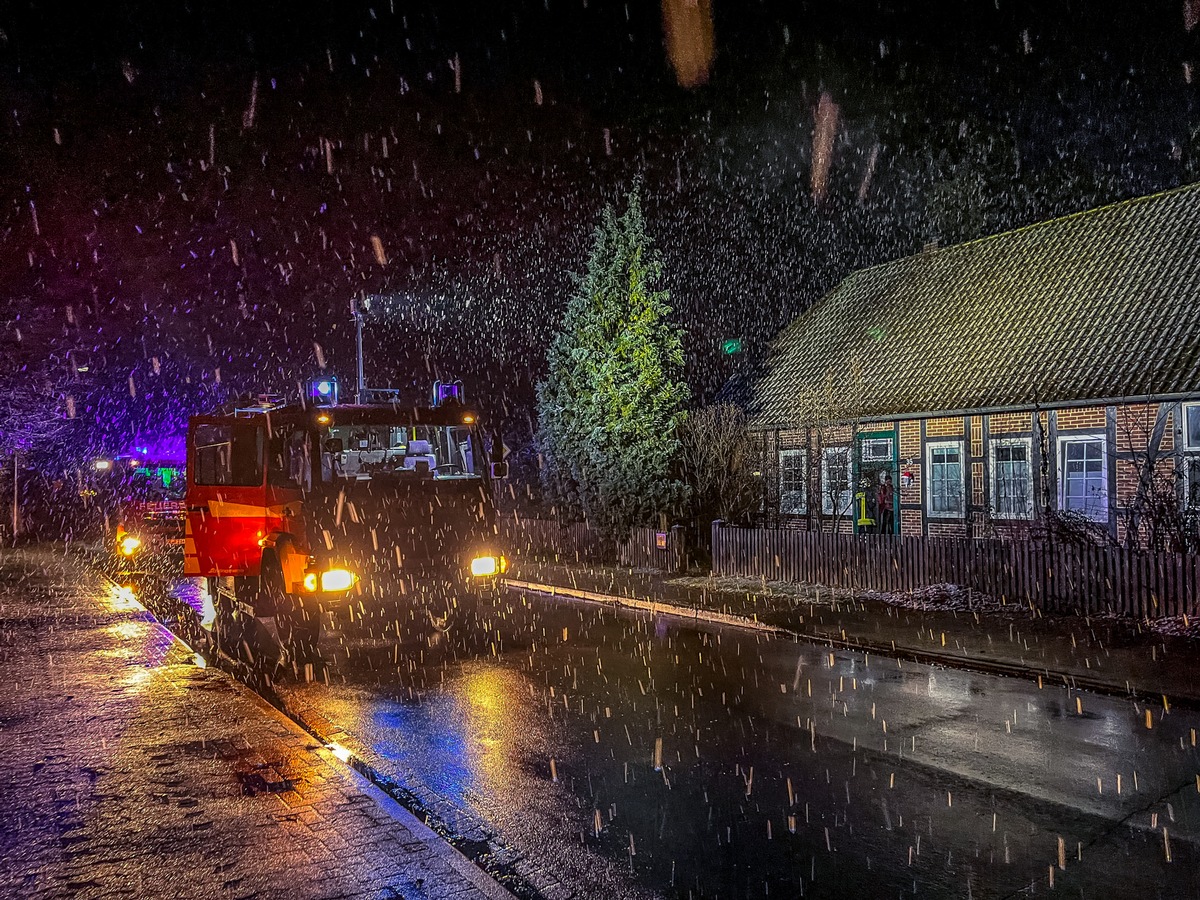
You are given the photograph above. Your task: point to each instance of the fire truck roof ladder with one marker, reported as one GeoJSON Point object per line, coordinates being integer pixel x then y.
{"type": "Point", "coordinates": [263, 403]}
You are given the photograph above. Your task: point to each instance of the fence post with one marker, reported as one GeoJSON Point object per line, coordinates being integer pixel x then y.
{"type": "Point", "coordinates": [716, 547]}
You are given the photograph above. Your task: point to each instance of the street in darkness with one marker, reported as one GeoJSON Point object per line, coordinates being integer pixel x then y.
{"type": "Point", "coordinates": [598, 753]}
{"type": "Point", "coordinates": [689, 450]}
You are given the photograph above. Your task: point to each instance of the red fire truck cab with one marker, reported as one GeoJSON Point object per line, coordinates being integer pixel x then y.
{"type": "Point", "coordinates": [294, 509]}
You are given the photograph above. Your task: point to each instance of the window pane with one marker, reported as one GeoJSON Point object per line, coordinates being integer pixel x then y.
{"type": "Point", "coordinates": [835, 487]}
{"type": "Point", "coordinates": [228, 454]}
{"type": "Point", "coordinates": [1012, 497]}
{"type": "Point", "coordinates": [1193, 425]}
{"type": "Point", "coordinates": [945, 480]}
{"type": "Point", "coordinates": [1193, 482]}
{"type": "Point", "coordinates": [1084, 485]}
{"type": "Point", "coordinates": [879, 449]}
{"type": "Point", "coordinates": [792, 477]}
{"type": "Point", "coordinates": [397, 451]}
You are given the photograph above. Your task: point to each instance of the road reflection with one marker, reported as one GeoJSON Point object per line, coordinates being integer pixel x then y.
{"type": "Point", "coordinates": [720, 763]}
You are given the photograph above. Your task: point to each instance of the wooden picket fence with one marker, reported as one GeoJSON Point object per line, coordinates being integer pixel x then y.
{"type": "Point", "coordinates": [577, 542]}
{"type": "Point", "coordinates": [549, 539]}
{"type": "Point", "coordinates": [1053, 577]}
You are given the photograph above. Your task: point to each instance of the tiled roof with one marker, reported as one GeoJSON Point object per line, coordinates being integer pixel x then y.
{"type": "Point", "coordinates": [1097, 305]}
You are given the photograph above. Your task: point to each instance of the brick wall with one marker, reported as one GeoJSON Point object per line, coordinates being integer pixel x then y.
{"type": "Point", "coordinates": [1128, 473]}
{"type": "Point", "coordinates": [945, 528]}
{"type": "Point", "coordinates": [1090, 417]}
{"type": "Point", "coordinates": [1134, 424]}
{"type": "Point", "coordinates": [1009, 423]}
{"type": "Point", "coordinates": [948, 427]}
{"type": "Point", "coordinates": [792, 439]}
{"type": "Point", "coordinates": [977, 484]}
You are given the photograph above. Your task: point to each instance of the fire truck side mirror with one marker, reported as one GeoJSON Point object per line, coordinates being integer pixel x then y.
{"type": "Point", "coordinates": [499, 470]}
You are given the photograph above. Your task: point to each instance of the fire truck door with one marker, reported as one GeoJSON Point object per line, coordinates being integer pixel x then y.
{"type": "Point", "coordinates": [226, 496]}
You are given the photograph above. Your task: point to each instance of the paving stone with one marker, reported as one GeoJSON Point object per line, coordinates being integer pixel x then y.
{"type": "Point", "coordinates": [131, 772]}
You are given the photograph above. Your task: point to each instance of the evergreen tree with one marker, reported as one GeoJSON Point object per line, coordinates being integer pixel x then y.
{"type": "Point", "coordinates": [613, 397]}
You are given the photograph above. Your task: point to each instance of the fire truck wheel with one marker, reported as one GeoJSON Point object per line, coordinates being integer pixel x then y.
{"type": "Point", "coordinates": [225, 631]}
{"type": "Point", "coordinates": [298, 622]}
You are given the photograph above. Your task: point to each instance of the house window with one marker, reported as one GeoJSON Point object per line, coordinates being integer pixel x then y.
{"type": "Point", "coordinates": [1012, 478]}
{"type": "Point", "coordinates": [1191, 462]}
{"type": "Point", "coordinates": [947, 495]}
{"type": "Point", "coordinates": [1191, 426]}
{"type": "Point", "coordinates": [1191, 496]}
{"type": "Point", "coordinates": [1084, 480]}
{"type": "Point", "coordinates": [836, 495]}
{"type": "Point", "coordinates": [877, 450]}
{"type": "Point", "coordinates": [793, 478]}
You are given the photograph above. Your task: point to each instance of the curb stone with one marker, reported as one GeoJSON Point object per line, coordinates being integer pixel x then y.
{"type": "Point", "coordinates": [1042, 676]}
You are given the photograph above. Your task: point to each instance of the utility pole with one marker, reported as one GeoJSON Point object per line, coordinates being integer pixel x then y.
{"type": "Point", "coordinates": [361, 389]}
{"type": "Point", "coordinates": [16, 501]}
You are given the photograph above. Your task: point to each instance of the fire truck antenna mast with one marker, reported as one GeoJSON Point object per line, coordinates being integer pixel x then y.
{"type": "Point", "coordinates": [356, 312]}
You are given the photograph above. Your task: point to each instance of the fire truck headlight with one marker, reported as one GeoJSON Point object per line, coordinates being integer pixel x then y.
{"type": "Point", "coordinates": [129, 545]}
{"type": "Point", "coordinates": [483, 566]}
{"type": "Point", "coordinates": [337, 580]}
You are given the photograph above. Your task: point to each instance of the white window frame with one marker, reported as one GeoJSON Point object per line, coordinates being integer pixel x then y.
{"type": "Point", "coordinates": [1027, 443]}
{"type": "Point", "coordinates": [1191, 461]}
{"type": "Point", "coordinates": [1183, 425]}
{"type": "Point", "coordinates": [826, 499]}
{"type": "Point", "coordinates": [961, 511]}
{"type": "Point", "coordinates": [1101, 515]}
{"type": "Point", "coordinates": [800, 508]}
{"type": "Point", "coordinates": [865, 441]}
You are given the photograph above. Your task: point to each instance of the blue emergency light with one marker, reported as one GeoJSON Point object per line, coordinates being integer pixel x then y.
{"type": "Point", "coordinates": [323, 391]}
{"type": "Point", "coordinates": [447, 390]}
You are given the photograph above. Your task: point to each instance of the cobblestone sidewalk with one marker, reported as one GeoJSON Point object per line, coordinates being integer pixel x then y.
{"type": "Point", "coordinates": [132, 771]}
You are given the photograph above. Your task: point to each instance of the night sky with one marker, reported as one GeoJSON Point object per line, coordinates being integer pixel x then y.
{"type": "Point", "coordinates": [193, 189]}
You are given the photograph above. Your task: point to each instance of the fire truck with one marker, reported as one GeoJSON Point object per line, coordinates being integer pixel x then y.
{"type": "Point", "coordinates": [145, 501]}
{"type": "Point", "coordinates": [298, 510]}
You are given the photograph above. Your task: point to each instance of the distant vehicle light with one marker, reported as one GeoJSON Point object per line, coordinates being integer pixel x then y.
{"type": "Point", "coordinates": [324, 388]}
{"type": "Point", "coordinates": [483, 566]}
{"type": "Point", "coordinates": [102, 465]}
{"type": "Point", "coordinates": [468, 419]}
{"type": "Point", "coordinates": [337, 580]}
{"type": "Point", "coordinates": [130, 545]}
{"type": "Point", "coordinates": [323, 418]}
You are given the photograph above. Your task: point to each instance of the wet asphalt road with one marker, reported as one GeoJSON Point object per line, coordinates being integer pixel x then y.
{"type": "Point", "coordinates": [532, 727]}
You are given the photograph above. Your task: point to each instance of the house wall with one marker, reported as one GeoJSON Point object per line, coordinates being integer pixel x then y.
{"type": "Point", "coordinates": [1135, 438]}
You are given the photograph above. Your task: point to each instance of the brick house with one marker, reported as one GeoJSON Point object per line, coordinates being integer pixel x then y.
{"type": "Point", "coordinates": [1045, 375]}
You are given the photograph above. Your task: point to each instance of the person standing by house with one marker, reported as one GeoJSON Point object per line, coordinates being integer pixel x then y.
{"type": "Point", "coordinates": [864, 502]}
{"type": "Point", "coordinates": [886, 504]}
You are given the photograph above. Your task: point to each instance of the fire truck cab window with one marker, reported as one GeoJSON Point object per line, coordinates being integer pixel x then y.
{"type": "Point", "coordinates": [291, 461]}
{"type": "Point", "coordinates": [398, 451]}
{"type": "Point", "coordinates": [228, 454]}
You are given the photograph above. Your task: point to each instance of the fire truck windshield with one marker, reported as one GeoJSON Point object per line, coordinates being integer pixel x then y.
{"type": "Point", "coordinates": [434, 452]}
{"type": "Point", "coordinates": [157, 483]}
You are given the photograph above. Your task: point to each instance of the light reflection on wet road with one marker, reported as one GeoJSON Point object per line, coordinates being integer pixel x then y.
{"type": "Point", "coordinates": [786, 770]}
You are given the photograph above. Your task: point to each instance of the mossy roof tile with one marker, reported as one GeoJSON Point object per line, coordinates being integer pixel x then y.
{"type": "Point", "coordinates": [1097, 305]}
